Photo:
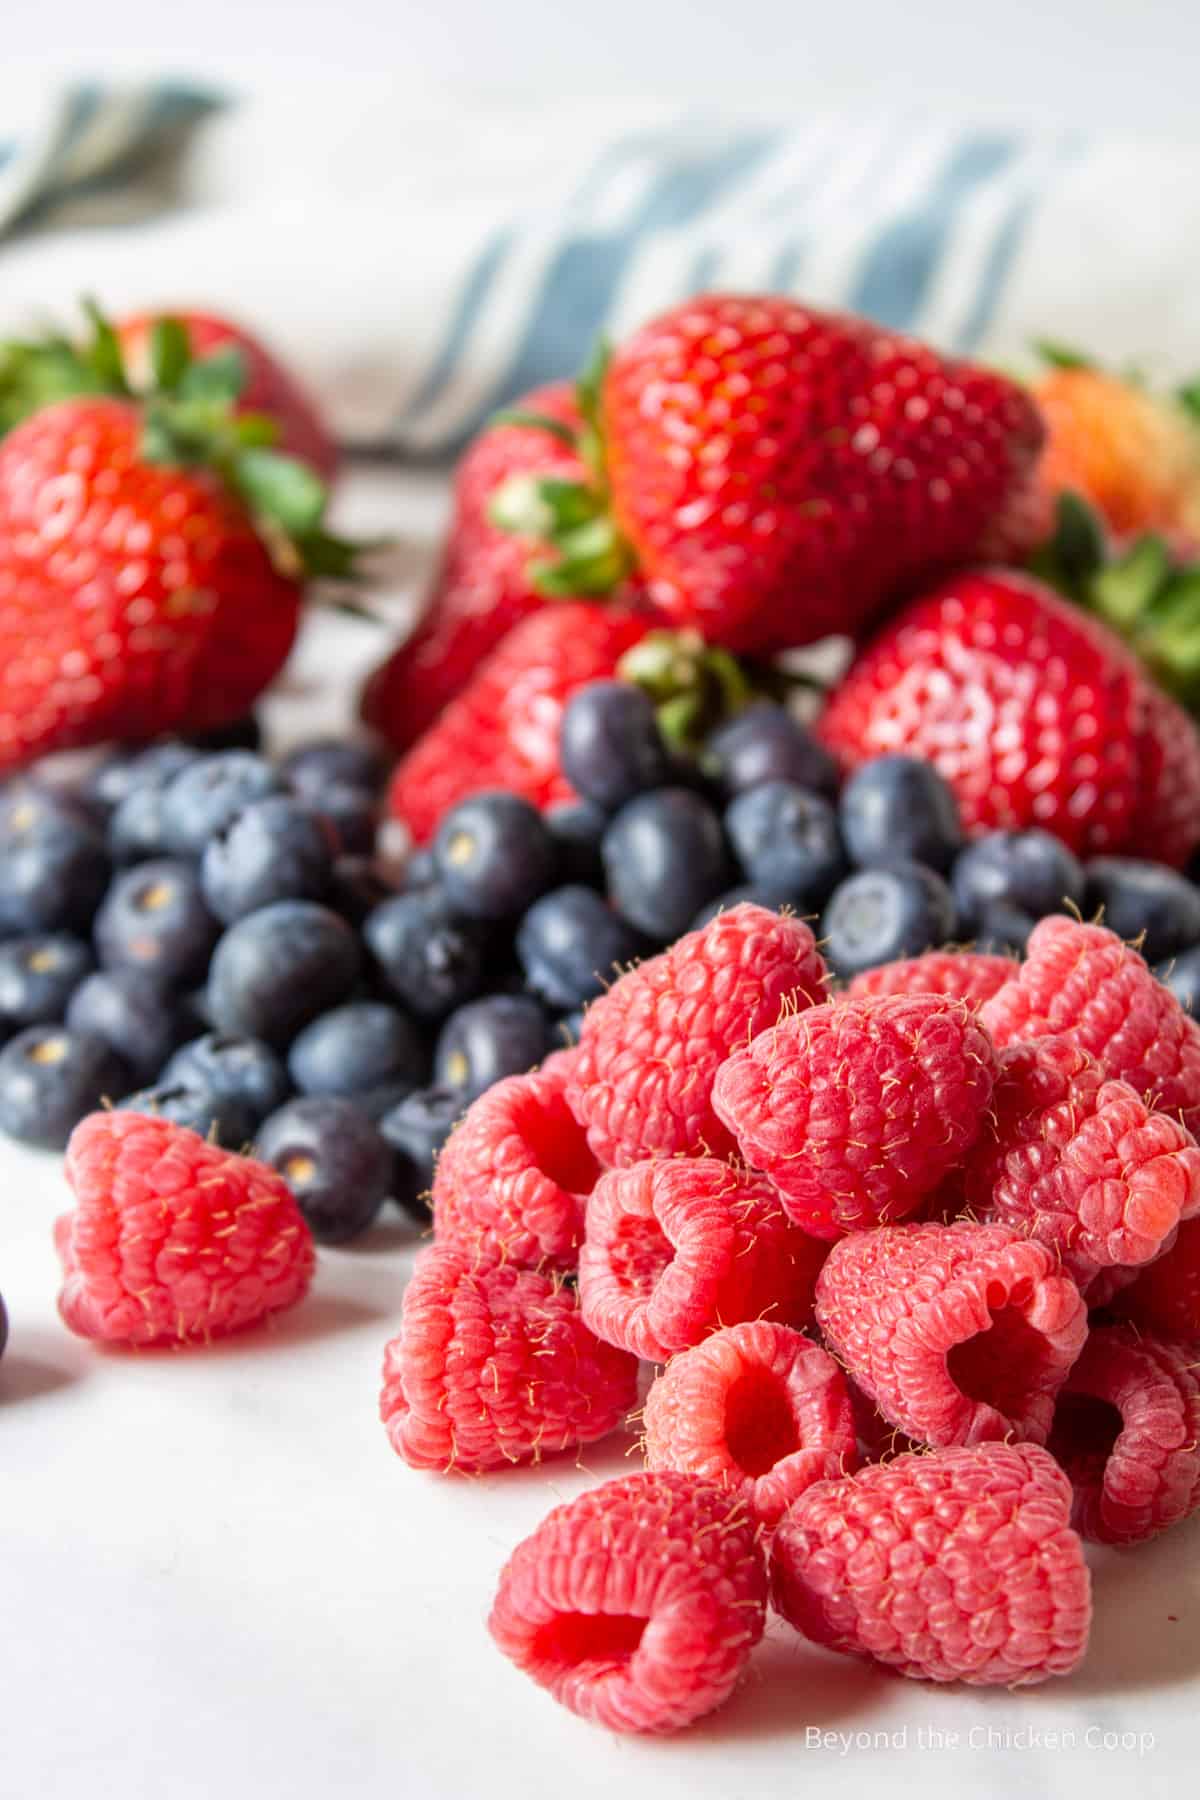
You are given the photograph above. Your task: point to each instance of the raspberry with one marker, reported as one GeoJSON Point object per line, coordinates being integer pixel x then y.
{"type": "Point", "coordinates": [857, 1109]}
{"type": "Point", "coordinates": [958, 974]}
{"type": "Point", "coordinates": [1166, 1296]}
{"type": "Point", "coordinates": [676, 1247]}
{"type": "Point", "coordinates": [756, 1408]}
{"type": "Point", "coordinates": [956, 1565]}
{"type": "Point", "coordinates": [651, 1046]}
{"type": "Point", "coordinates": [173, 1240]}
{"type": "Point", "coordinates": [1079, 1162]}
{"type": "Point", "coordinates": [495, 1365]}
{"type": "Point", "coordinates": [512, 1178]}
{"type": "Point", "coordinates": [638, 1603]}
{"type": "Point", "coordinates": [958, 1333]}
{"type": "Point", "coordinates": [1081, 982]}
{"type": "Point", "coordinates": [1127, 1432]}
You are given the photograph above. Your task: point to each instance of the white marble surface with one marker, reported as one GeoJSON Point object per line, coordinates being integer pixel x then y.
{"type": "Point", "coordinates": [220, 1584]}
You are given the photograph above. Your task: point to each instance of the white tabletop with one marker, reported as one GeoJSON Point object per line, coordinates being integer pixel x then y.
{"type": "Point", "coordinates": [220, 1583]}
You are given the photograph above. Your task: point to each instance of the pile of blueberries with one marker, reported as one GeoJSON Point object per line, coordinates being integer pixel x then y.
{"type": "Point", "coordinates": [209, 936]}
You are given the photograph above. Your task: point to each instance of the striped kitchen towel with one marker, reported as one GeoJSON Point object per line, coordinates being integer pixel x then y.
{"type": "Point", "coordinates": [424, 260]}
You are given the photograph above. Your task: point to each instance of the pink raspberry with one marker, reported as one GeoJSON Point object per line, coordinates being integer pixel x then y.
{"type": "Point", "coordinates": [959, 1333]}
{"type": "Point", "coordinates": [638, 1603]}
{"type": "Point", "coordinates": [1127, 1432]}
{"type": "Point", "coordinates": [958, 974]}
{"type": "Point", "coordinates": [651, 1046]}
{"type": "Point", "coordinates": [495, 1365]}
{"type": "Point", "coordinates": [174, 1241]}
{"type": "Point", "coordinates": [514, 1174]}
{"type": "Point", "coordinates": [1166, 1296]}
{"type": "Point", "coordinates": [756, 1408]}
{"type": "Point", "coordinates": [678, 1246]}
{"type": "Point", "coordinates": [857, 1109]}
{"type": "Point", "coordinates": [1082, 983]}
{"type": "Point", "coordinates": [1080, 1162]}
{"type": "Point", "coordinates": [951, 1565]}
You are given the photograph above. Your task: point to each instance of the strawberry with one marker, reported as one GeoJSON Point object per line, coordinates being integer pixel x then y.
{"type": "Point", "coordinates": [151, 557]}
{"type": "Point", "coordinates": [1035, 713]}
{"type": "Point", "coordinates": [776, 474]}
{"type": "Point", "coordinates": [482, 588]}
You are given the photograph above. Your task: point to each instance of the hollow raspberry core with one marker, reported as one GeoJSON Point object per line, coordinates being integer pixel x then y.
{"type": "Point", "coordinates": [760, 1425]}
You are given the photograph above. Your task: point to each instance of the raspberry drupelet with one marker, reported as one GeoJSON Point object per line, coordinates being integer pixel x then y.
{"type": "Point", "coordinates": [966, 975]}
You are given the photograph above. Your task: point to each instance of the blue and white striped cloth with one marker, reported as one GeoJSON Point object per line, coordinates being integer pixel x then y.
{"type": "Point", "coordinates": [426, 263]}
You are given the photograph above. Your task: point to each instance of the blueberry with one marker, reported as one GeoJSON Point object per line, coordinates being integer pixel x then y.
{"type": "Point", "coordinates": [276, 969]}
{"type": "Point", "coordinates": [1182, 975]}
{"type": "Point", "coordinates": [53, 863]}
{"type": "Point", "coordinates": [572, 945]}
{"type": "Point", "coordinates": [506, 1034]}
{"type": "Point", "coordinates": [111, 782]}
{"type": "Point", "coordinates": [352, 815]}
{"type": "Point", "coordinates": [494, 855]}
{"type": "Point", "coordinates": [1145, 901]}
{"type": "Point", "coordinates": [50, 1078]}
{"type": "Point", "coordinates": [128, 1009]}
{"type": "Point", "coordinates": [429, 959]}
{"type": "Point", "coordinates": [416, 1131]}
{"type": "Point", "coordinates": [611, 747]}
{"type": "Point", "coordinates": [357, 885]}
{"type": "Point", "coordinates": [665, 855]}
{"type": "Point", "coordinates": [205, 797]}
{"type": "Point", "coordinates": [1029, 870]}
{"type": "Point", "coordinates": [356, 1048]}
{"type": "Point", "coordinates": [336, 1162]}
{"type": "Point", "coordinates": [1003, 930]}
{"type": "Point", "coordinates": [787, 838]}
{"type": "Point", "coordinates": [881, 914]}
{"type": "Point", "coordinates": [38, 975]}
{"type": "Point", "coordinates": [275, 849]}
{"type": "Point", "coordinates": [154, 918]}
{"type": "Point", "coordinates": [219, 1117]}
{"type": "Point", "coordinates": [753, 892]}
{"type": "Point", "coordinates": [377, 1102]}
{"type": "Point", "coordinates": [570, 1027]}
{"type": "Point", "coordinates": [577, 828]}
{"type": "Point", "coordinates": [241, 1069]}
{"type": "Point", "coordinates": [135, 830]}
{"type": "Point", "coordinates": [312, 769]}
{"type": "Point", "coordinates": [240, 734]}
{"type": "Point", "coordinates": [420, 871]}
{"type": "Point", "coordinates": [899, 809]}
{"type": "Point", "coordinates": [764, 743]}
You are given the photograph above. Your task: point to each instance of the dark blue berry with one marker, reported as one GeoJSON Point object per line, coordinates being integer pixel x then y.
{"type": "Point", "coordinates": [764, 743]}
{"type": "Point", "coordinates": [38, 975]}
{"type": "Point", "coordinates": [665, 856]}
{"type": "Point", "coordinates": [1182, 975]}
{"type": "Point", "coordinates": [275, 849]}
{"type": "Point", "coordinates": [494, 855]}
{"type": "Point", "coordinates": [787, 839]}
{"type": "Point", "coordinates": [129, 1010]}
{"type": "Point", "coordinates": [1003, 930]}
{"type": "Point", "coordinates": [881, 914]}
{"type": "Point", "coordinates": [208, 795]}
{"type": "Point", "coordinates": [578, 828]}
{"type": "Point", "coordinates": [53, 863]}
{"type": "Point", "coordinates": [356, 1048]}
{"type": "Point", "coordinates": [481, 1043]}
{"type": "Point", "coordinates": [429, 958]}
{"type": "Point", "coordinates": [1029, 870]}
{"type": "Point", "coordinates": [312, 769]}
{"type": "Point", "coordinates": [352, 815]}
{"type": "Point", "coordinates": [420, 871]}
{"type": "Point", "coordinates": [154, 918]}
{"type": "Point", "coordinates": [611, 747]}
{"type": "Point", "coordinates": [569, 1027]}
{"type": "Point", "coordinates": [357, 886]}
{"type": "Point", "coordinates": [219, 1117]}
{"type": "Point", "coordinates": [897, 809]}
{"type": "Point", "coordinates": [241, 1069]}
{"type": "Point", "coordinates": [335, 1160]}
{"type": "Point", "coordinates": [276, 969]}
{"type": "Point", "coordinates": [111, 782]}
{"type": "Point", "coordinates": [752, 892]}
{"type": "Point", "coordinates": [240, 734]}
{"type": "Point", "coordinates": [572, 945]}
{"type": "Point", "coordinates": [1145, 902]}
{"type": "Point", "coordinates": [50, 1078]}
{"type": "Point", "coordinates": [416, 1129]}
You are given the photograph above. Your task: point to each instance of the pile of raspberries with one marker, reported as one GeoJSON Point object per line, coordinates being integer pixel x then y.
{"type": "Point", "coordinates": [917, 1265]}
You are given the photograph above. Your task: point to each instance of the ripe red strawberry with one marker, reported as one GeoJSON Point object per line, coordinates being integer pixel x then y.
{"type": "Point", "coordinates": [483, 585]}
{"type": "Point", "coordinates": [502, 730]}
{"type": "Point", "coordinates": [269, 387]}
{"type": "Point", "coordinates": [781, 472]}
{"type": "Point", "coordinates": [1035, 714]}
